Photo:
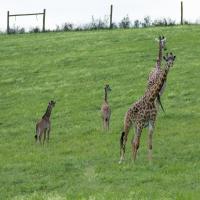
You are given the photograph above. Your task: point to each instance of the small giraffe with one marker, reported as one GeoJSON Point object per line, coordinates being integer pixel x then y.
{"type": "Point", "coordinates": [105, 109]}
{"type": "Point", "coordinates": [143, 114]}
{"type": "Point", "coordinates": [157, 70]}
{"type": "Point", "coordinates": [44, 125]}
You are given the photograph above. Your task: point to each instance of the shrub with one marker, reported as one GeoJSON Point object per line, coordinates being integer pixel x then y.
{"type": "Point", "coordinates": [147, 22]}
{"type": "Point", "coordinates": [125, 23]}
{"type": "Point", "coordinates": [34, 30]}
{"type": "Point", "coordinates": [136, 23]}
{"type": "Point", "coordinates": [164, 22]}
{"type": "Point", "coordinates": [22, 30]}
{"type": "Point", "coordinates": [98, 24]}
{"type": "Point", "coordinates": [67, 26]}
{"type": "Point", "coordinates": [114, 25]}
{"type": "Point", "coordinates": [16, 30]}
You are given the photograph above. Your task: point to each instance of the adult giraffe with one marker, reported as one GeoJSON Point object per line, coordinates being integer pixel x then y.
{"type": "Point", "coordinates": [143, 113]}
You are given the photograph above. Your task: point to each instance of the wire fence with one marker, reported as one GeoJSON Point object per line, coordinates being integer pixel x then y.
{"type": "Point", "coordinates": [95, 24]}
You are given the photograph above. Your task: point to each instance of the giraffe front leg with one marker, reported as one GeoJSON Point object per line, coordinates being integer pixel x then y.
{"type": "Point", "coordinates": [136, 142]}
{"type": "Point", "coordinates": [104, 124]}
{"type": "Point", "coordinates": [48, 133]}
{"type": "Point", "coordinates": [123, 140]}
{"type": "Point", "coordinates": [44, 138]}
{"type": "Point", "coordinates": [40, 137]}
{"type": "Point", "coordinates": [108, 124]}
{"type": "Point", "coordinates": [150, 138]}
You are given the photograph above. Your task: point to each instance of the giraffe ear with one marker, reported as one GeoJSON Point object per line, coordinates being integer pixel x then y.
{"type": "Point", "coordinates": [174, 57]}
{"type": "Point", "coordinates": [164, 58]}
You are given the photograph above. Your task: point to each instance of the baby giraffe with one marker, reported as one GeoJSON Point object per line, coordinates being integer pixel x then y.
{"type": "Point", "coordinates": [143, 113]}
{"type": "Point", "coordinates": [105, 109]}
{"type": "Point", "coordinates": [44, 125]}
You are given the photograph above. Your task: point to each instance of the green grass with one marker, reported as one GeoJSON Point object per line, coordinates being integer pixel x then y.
{"type": "Point", "coordinates": [81, 161]}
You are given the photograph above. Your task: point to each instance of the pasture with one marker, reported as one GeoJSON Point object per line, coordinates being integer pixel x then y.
{"type": "Point", "coordinates": [81, 160]}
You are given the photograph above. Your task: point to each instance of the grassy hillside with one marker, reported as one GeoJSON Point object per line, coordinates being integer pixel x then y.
{"type": "Point", "coordinates": [81, 161]}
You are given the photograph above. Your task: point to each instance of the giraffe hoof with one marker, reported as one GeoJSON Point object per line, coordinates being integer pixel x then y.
{"type": "Point", "coordinates": [120, 162]}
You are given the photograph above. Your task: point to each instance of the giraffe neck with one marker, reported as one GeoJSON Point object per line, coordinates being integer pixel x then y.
{"type": "Point", "coordinates": [155, 89]}
{"type": "Point", "coordinates": [47, 113]}
{"type": "Point", "coordinates": [159, 54]}
{"type": "Point", "coordinates": [106, 96]}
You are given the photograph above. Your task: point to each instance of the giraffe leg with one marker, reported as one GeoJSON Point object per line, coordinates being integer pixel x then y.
{"type": "Point", "coordinates": [123, 140]}
{"type": "Point", "coordinates": [48, 133]}
{"type": "Point", "coordinates": [37, 135]}
{"type": "Point", "coordinates": [44, 138]}
{"type": "Point", "coordinates": [104, 124]}
{"type": "Point", "coordinates": [150, 138]}
{"type": "Point", "coordinates": [40, 137]}
{"type": "Point", "coordinates": [124, 135]}
{"type": "Point", "coordinates": [136, 143]}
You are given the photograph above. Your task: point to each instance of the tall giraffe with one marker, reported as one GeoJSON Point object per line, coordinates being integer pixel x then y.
{"type": "Point", "coordinates": [44, 125]}
{"type": "Point", "coordinates": [157, 70]}
{"type": "Point", "coordinates": [143, 114]}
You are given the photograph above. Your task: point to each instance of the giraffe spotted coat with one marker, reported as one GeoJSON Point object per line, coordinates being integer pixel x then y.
{"type": "Point", "coordinates": [143, 113]}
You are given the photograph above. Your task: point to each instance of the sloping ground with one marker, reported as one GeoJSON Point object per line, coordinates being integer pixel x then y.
{"type": "Point", "coordinates": [81, 161]}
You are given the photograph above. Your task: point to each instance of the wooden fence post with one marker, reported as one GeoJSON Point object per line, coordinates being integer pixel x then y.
{"type": "Point", "coordinates": [111, 12]}
{"type": "Point", "coordinates": [43, 26]}
{"type": "Point", "coordinates": [8, 25]}
{"type": "Point", "coordinates": [181, 13]}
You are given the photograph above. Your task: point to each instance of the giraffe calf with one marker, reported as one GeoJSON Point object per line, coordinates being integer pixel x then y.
{"type": "Point", "coordinates": [44, 125]}
{"type": "Point", "coordinates": [105, 109]}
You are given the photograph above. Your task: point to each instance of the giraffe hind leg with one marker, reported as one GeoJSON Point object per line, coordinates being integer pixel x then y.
{"type": "Point", "coordinates": [136, 142]}
{"type": "Point", "coordinates": [104, 124]}
{"type": "Point", "coordinates": [107, 124]}
{"type": "Point", "coordinates": [150, 138]}
{"type": "Point", "coordinates": [122, 147]}
{"type": "Point", "coordinates": [48, 134]}
{"type": "Point", "coordinates": [44, 138]}
{"type": "Point", "coordinates": [38, 135]}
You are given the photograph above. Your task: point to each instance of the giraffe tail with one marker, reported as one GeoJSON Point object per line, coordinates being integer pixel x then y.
{"type": "Point", "coordinates": [159, 101]}
{"type": "Point", "coordinates": [36, 132]}
{"type": "Point", "coordinates": [35, 137]}
{"type": "Point", "coordinates": [122, 139]}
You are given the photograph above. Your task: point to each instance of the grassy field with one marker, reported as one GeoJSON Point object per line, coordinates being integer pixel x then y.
{"type": "Point", "coordinates": [81, 161]}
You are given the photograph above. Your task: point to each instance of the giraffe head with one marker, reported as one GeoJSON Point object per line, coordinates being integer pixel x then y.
{"type": "Point", "coordinates": [52, 103]}
{"type": "Point", "coordinates": [169, 58]}
{"type": "Point", "coordinates": [162, 42]}
{"type": "Point", "coordinates": [107, 88]}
